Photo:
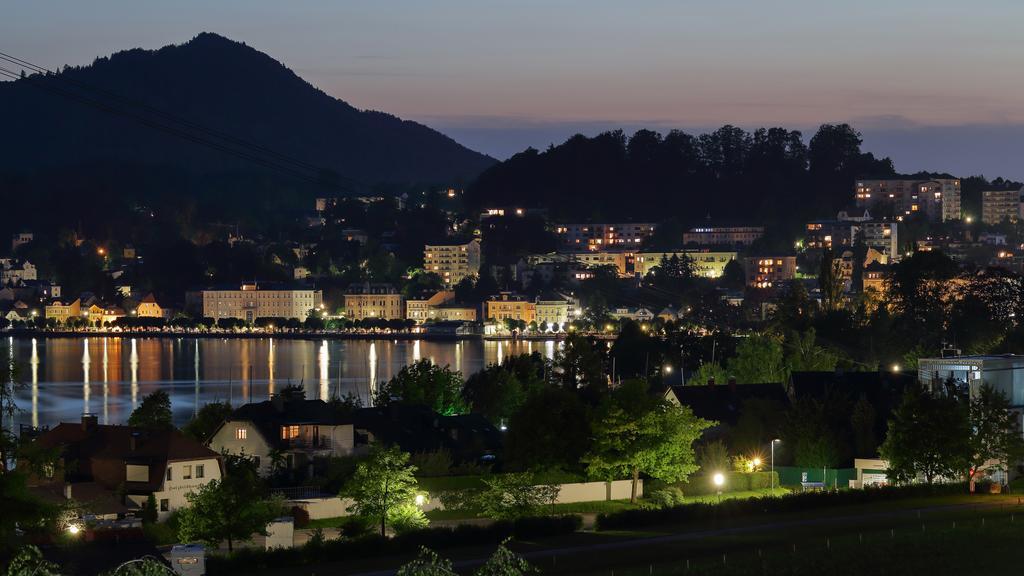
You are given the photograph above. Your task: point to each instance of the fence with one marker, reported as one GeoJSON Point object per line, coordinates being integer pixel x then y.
{"type": "Point", "coordinates": [830, 477]}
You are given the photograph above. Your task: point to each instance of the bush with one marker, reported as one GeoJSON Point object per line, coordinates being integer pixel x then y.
{"type": "Point", "coordinates": [667, 497]}
{"type": "Point", "coordinates": [437, 463]}
{"type": "Point", "coordinates": [763, 480]}
{"type": "Point", "coordinates": [796, 502]}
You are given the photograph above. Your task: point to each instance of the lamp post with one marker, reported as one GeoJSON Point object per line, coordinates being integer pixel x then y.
{"type": "Point", "coordinates": [773, 465]}
{"type": "Point", "coordinates": [719, 479]}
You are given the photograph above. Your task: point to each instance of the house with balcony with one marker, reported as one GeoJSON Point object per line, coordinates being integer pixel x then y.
{"type": "Point", "coordinates": [286, 432]}
{"type": "Point", "coordinates": [111, 471]}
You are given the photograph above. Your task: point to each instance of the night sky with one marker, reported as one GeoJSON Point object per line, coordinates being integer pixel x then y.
{"type": "Point", "coordinates": [934, 84]}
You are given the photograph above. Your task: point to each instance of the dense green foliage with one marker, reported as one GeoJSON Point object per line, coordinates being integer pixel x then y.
{"type": "Point", "coordinates": [383, 485]}
{"type": "Point", "coordinates": [426, 384]}
{"type": "Point", "coordinates": [231, 509]}
{"type": "Point", "coordinates": [153, 413]}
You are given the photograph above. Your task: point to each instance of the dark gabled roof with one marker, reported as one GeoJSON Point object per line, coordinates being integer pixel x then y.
{"type": "Point", "coordinates": [417, 428]}
{"type": "Point", "coordinates": [268, 416]}
{"type": "Point", "coordinates": [83, 444]}
{"type": "Point", "coordinates": [724, 402]}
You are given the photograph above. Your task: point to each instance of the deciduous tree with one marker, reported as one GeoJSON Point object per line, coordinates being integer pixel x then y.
{"type": "Point", "coordinates": [381, 484]}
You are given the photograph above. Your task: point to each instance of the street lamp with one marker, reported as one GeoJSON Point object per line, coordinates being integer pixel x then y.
{"type": "Point", "coordinates": [773, 465]}
{"type": "Point", "coordinates": [719, 480]}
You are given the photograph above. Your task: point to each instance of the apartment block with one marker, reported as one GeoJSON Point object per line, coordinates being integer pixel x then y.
{"type": "Point", "coordinates": [1000, 206]}
{"type": "Point", "coordinates": [453, 262]}
{"type": "Point", "coordinates": [706, 263]}
{"type": "Point", "coordinates": [248, 302]}
{"type": "Point", "coordinates": [938, 199]}
{"type": "Point", "coordinates": [596, 237]}
{"type": "Point", "coordinates": [768, 271]}
{"type": "Point", "coordinates": [723, 235]}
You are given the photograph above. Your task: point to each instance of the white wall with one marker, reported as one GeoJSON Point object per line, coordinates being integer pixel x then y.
{"type": "Point", "coordinates": [176, 489]}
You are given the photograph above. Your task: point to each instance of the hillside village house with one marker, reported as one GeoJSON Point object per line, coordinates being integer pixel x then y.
{"type": "Point", "coordinates": [439, 307]}
{"type": "Point", "coordinates": [112, 470]}
{"type": "Point", "coordinates": [148, 308]}
{"type": "Point", "coordinates": [13, 272]}
{"type": "Point", "coordinates": [297, 429]}
{"type": "Point", "coordinates": [61, 311]}
{"type": "Point", "coordinates": [291, 433]}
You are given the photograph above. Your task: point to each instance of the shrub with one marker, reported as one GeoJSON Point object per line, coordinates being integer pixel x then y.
{"type": "Point", "coordinates": [437, 463]}
{"type": "Point", "coordinates": [666, 497]}
{"type": "Point", "coordinates": [763, 480]}
{"type": "Point", "coordinates": [546, 526]}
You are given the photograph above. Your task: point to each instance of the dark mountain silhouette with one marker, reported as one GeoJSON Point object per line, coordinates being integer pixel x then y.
{"type": "Point", "coordinates": [231, 88]}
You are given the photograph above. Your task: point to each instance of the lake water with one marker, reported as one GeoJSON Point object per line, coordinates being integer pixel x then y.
{"type": "Point", "coordinates": [109, 376]}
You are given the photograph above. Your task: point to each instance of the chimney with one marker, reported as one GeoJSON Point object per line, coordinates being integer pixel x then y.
{"type": "Point", "coordinates": [89, 421]}
{"type": "Point", "coordinates": [732, 384]}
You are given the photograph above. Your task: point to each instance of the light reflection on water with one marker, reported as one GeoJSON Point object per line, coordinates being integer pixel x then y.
{"type": "Point", "coordinates": [61, 375]}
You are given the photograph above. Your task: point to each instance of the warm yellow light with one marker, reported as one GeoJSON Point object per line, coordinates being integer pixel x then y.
{"type": "Point", "coordinates": [74, 529]}
{"type": "Point", "coordinates": [757, 462]}
{"type": "Point", "coordinates": [718, 479]}
{"type": "Point", "coordinates": [421, 499]}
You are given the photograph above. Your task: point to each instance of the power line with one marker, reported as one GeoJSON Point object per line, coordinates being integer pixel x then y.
{"type": "Point", "coordinates": [241, 142]}
{"type": "Point", "coordinates": [45, 78]}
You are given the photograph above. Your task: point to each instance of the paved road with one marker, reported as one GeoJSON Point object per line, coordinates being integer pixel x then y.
{"type": "Point", "coordinates": [699, 534]}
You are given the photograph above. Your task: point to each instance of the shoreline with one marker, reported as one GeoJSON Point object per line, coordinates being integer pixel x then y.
{"type": "Point", "coordinates": [301, 335]}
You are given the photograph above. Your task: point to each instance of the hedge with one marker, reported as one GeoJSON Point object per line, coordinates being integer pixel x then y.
{"type": "Point", "coordinates": [249, 559]}
{"type": "Point", "coordinates": [688, 513]}
{"type": "Point", "coordinates": [734, 482]}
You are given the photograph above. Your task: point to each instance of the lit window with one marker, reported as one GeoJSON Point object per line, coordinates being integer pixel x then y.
{"type": "Point", "coordinates": [241, 434]}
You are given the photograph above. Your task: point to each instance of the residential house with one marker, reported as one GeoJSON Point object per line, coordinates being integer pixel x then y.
{"type": "Point", "coordinates": [286, 431]}
{"type": "Point", "coordinates": [510, 306]}
{"type": "Point", "coordinates": [113, 470]}
{"type": "Point", "coordinates": [61, 310]}
{"type": "Point", "coordinates": [379, 301]}
{"type": "Point", "coordinates": [148, 308]}
{"type": "Point", "coordinates": [553, 311]}
{"type": "Point", "coordinates": [16, 272]}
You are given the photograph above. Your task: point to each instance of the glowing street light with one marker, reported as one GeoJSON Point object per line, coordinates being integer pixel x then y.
{"type": "Point", "coordinates": [668, 369]}
{"type": "Point", "coordinates": [420, 500]}
{"type": "Point", "coordinates": [719, 480]}
{"type": "Point", "coordinates": [773, 464]}
{"type": "Point", "coordinates": [74, 529]}
{"type": "Point", "coordinates": [895, 367]}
